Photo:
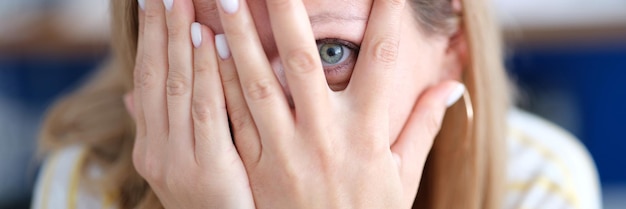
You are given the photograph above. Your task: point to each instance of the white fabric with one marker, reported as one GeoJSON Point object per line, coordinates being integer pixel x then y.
{"type": "Point", "coordinates": [55, 188]}
{"type": "Point", "coordinates": [556, 168]}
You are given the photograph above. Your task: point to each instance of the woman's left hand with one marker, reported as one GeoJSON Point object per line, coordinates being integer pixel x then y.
{"type": "Point", "coordinates": [332, 150]}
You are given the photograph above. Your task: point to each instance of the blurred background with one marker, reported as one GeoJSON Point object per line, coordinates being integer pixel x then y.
{"type": "Point", "coordinates": [568, 58]}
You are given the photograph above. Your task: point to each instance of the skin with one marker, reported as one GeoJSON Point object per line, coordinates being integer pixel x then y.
{"type": "Point", "coordinates": [423, 60]}
{"type": "Point", "coordinates": [324, 145]}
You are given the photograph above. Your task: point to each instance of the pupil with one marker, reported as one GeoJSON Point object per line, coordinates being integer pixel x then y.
{"type": "Point", "coordinates": [333, 51]}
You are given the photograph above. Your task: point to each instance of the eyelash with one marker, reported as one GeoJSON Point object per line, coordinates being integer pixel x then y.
{"type": "Point", "coordinates": [354, 48]}
{"type": "Point", "coordinates": [338, 75]}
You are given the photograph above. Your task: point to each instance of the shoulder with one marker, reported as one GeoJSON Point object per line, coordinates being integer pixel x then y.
{"type": "Point", "coordinates": [60, 183]}
{"type": "Point", "coordinates": [548, 167]}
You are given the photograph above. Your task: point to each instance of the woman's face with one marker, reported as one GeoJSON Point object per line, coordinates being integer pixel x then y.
{"type": "Point", "coordinates": [339, 26]}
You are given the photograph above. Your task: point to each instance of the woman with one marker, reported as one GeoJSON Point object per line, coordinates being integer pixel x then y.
{"type": "Point", "coordinates": [345, 117]}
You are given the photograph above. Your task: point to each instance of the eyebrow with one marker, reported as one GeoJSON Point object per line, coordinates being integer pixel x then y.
{"type": "Point", "coordinates": [326, 17]}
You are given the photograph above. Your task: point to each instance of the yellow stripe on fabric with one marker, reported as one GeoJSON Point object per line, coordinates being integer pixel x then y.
{"type": "Point", "coordinates": [50, 168]}
{"type": "Point", "coordinates": [74, 181]}
{"type": "Point", "coordinates": [546, 184]}
{"type": "Point", "coordinates": [549, 156]}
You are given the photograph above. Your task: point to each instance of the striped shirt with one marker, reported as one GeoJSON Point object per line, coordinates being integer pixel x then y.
{"type": "Point", "coordinates": [548, 168]}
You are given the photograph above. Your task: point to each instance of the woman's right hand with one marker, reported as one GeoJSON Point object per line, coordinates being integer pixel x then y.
{"type": "Point", "coordinates": [183, 146]}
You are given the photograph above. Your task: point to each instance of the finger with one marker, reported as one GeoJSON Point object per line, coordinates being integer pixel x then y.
{"type": "Point", "coordinates": [179, 16]}
{"type": "Point", "coordinates": [210, 121]}
{"type": "Point", "coordinates": [261, 89]}
{"type": "Point", "coordinates": [140, 146]}
{"type": "Point", "coordinates": [137, 105]}
{"type": "Point", "coordinates": [129, 103]}
{"type": "Point", "coordinates": [244, 130]}
{"type": "Point", "coordinates": [372, 75]}
{"type": "Point", "coordinates": [213, 138]}
{"type": "Point", "coordinates": [300, 57]}
{"type": "Point", "coordinates": [417, 137]}
{"type": "Point", "coordinates": [154, 71]}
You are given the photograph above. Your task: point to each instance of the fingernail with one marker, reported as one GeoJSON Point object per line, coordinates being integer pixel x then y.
{"type": "Point", "coordinates": [230, 6]}
{"type": "Point", "coordinates": [222, 46]}
{"type": "Point", "coordinates": [168, 4]}
{"type": "Point", "coordinates": [196, 34]}
{"type": "Point", "coordinates": [455, 95]}
{"type": "Point", "coordinates": [142, 4]}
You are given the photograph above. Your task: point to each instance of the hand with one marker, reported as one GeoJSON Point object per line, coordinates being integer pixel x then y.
{"type": "Point", "coordinates": [183, 146]}
{"type": "Point", "coordinates": [332, 150]}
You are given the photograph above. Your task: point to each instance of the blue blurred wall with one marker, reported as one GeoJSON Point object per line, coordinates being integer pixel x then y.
{"type": "Point", "coordinates": [594, 77]}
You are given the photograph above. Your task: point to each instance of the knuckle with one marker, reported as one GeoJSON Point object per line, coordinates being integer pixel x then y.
{"type": "Point", "coordinates": [259, 90]}
{"type": "Point", "coordinates": [301, 61]}
{"type": "Point", "coordinates": [176, 31]}
{"type": "Point", "coordinates": [293, 173]}
{"type": "Point", "coordinates": [229, 78]}
{"type": "Point", "coordinates": [153, 17]}
{"type": "Point", "coordinates": [202, 110]}
{"type": "Point", "coordinates": [385, 50]}
{"type": "Point", "coordinates": [201, 67]}
{"type": "Point", "coordinates": [328, 162]}
{"type": "Point", "coordinates": [238, 33]}
{"type": "Point", "coordinates": [144, 78]}
{"type": "Point", "coordinates": [239, 117]}
{"type": "Point", "coordinates": [144, 72]}
{"type": "Point", "coordinates": [177, 84]}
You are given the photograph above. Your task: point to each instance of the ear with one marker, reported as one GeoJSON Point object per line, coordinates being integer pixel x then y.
{"type": "Point", "coordinates": [456, 56]}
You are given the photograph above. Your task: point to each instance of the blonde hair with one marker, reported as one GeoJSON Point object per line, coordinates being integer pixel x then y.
{"type": "Point", "coordinates": [461, 172]}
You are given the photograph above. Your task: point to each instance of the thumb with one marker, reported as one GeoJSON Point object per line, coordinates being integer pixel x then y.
{"type": "Point", "coordinates": [416, 139]}
{"type": "Point", "coordinates": [129, 103]}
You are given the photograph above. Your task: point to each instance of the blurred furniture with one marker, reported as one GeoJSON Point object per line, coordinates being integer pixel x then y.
{"type": "Point", "coordinates": [562, 22]}
{"type": "Point", "coordinates": [54, 26]}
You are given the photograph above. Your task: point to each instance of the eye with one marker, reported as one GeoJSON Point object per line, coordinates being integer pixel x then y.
{"type": "Point", "coordinates": [333, 54]}
{"type": "Point", "coordinates": [338, 59]}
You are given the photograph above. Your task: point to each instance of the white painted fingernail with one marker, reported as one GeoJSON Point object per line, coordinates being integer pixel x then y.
{"type": "Point", "coordinates": [142, 4]}
{"type": "Point", "coordinates": [168, 4]}
{"type": "Point", "coordinates": [196, 34]}
{"type": "Point", "coordinates": [455, 95]}
{"type": "Point", "coordinates": [230, 6]}
{"type": "Point", "coordinates": [222, 46]}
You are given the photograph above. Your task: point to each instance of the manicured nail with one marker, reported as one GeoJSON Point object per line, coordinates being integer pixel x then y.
{"type": "Point", "coordinates": [196, 34]}
{"type": "Point", "coordinates": [168, 4]}
{"type": "Point", "coordinates": [230, 6]}
{"type": "Point", "coordinates": [222, 46]}
{"type": "Point", "coordinates": [455, 95]}
{"type": "Point", "coordinates": [142, 4]}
